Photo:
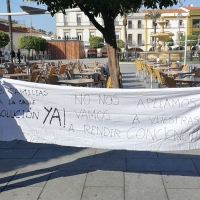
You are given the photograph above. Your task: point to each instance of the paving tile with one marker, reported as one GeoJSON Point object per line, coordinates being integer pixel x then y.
{"type": "Point", "coordinates": [105, 178]}
{"type": "Point", "coordinates": [25, 144]}
{"type": "Point", "coordinates": [113, 164]}
{"type": "Point", "coordinates": [184, 180]}
{"type": "Point", "coordinates": [64, 185]}
{"type": "Point", "coordinates": [193, 153]}
{"type": "Point", "coordinates": [160, 165]}
{"type": "Point", "coordinates": [197, 164]}
{"type": "Point", "coordinates": [17, 153]}
{"type": "Point", "coordinates": [5, 177]}
{"type": "Point", "coordinates": [103, 193]}
{"type": "Point", "coordinates": [13, 164]}
{"type": "Point", "coordinates": [183, 194]}
{"type": "Point", "coordinates": [64, 152]}
{"type": "Point", "coordinates": [144, 186]}
{"type": "Point", "coordinates": [50, 164]}
{"type": "Point", "coordinates": [10, 144]}
{"type": "Point", "coordinates": [21, 193]}
{"type": "Point", "coordinates": [29, 178]}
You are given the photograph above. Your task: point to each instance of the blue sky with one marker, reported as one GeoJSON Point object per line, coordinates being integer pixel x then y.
{"type": "Point", "coordinates": [47, 22]}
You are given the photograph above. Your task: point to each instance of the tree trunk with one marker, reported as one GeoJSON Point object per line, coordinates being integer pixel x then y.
{"type": "Point", "coordinates": [10, 24]}
{"type": "Point", "coordinates": [111, 45]}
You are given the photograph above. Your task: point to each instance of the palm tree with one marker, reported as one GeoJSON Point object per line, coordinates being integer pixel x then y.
{"type": "Point", "coordinates": [154, 15]}
{"type": "Point", "coordinates": [10, 24]}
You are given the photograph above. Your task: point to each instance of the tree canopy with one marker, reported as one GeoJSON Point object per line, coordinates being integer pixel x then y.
{"type": "Point", "coordinates": [4, 39]}
{"type": "Point", "coordinates": [32, 42]}
{"type": "Point", "coordinates": [192, 40]}
{"type": "Point", "coordinates": [108, 10]}
{"type": "Point", "coordinates": [95, 41]}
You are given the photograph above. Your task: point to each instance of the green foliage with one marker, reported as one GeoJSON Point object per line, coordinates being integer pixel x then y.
{"type": "Point", "coordinates": [120, 44]}
{"type": "Point", "coordinates": [4, 39]}
{"type": "Point", "coordinates": [169, 41]}
{"type": "Point", "coordinates": [32, 42]}
{"type": "Point", "coordinates": [191, 40]}
{"type": "Point", "coordinates": [105, 7]}
{"type": "Point", "coordinates": [95, 41]}
{"type": "Point", "coordinates": [154, 15]}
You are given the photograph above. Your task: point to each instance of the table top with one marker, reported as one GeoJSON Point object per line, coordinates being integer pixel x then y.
{"type": "Point", "coordinates": [91, 70]}
{"type": "Point", "coordinates": [188, 79]}
{"type": "Point", "coordinates": [84, 73]}
{"type": "Point", "coordinates": [174, 72]}
{"type": "Point", "coordinates": [75, 82]}
{"type": "Point", "coordinates": [15, 75]}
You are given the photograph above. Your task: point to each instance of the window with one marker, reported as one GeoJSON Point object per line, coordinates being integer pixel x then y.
{"type": "Point", "coordinates": [139, 39]}
{"type": "Point", "coordinates": [130, 38]}
{"type": "Point", "coordinates": [66, 19]}
{"type": "Point", "coordinates": [79, 36]}
{"type": "Point", "coordinates": [66, 35]}
{"type": "Point", "coordinates": [117, 35]}
{"type": "Point", "coordinates": [167, 25]}
{"type": "Point", "coordinates": [78, 19]}
{"type": "Point", "coordinates": [92, 34]}
{"type": "Point", "coordinates": [181, 23]}
{"type": "Point", "coordinates": [139, 24]}
{"type": "Point", "coordinates": [130, 24]}
{"type": "Point", "coordinates": [196, 23]}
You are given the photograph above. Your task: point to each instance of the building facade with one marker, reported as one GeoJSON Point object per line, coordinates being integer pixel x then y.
{"type": "Point", "coordinates": [76, 25]}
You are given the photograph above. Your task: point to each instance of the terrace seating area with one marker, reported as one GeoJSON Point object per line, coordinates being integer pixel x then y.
{"type": "Point", "coordinates": [163, 74]}
{"type": "Point", "coordinates": [74, 73]}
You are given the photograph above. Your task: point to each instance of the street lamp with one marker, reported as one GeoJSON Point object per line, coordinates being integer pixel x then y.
{"type": "Point", "coordinates": [179, 34]}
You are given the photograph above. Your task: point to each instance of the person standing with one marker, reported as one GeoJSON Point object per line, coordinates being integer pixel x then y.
{"type": "Point", "coordinates": [12, 54]}
{"type": "Point", "coordinates": [19, 55]}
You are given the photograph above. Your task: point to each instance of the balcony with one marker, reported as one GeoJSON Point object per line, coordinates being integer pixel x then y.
{"type": "Point", "coordinates": [130, 26]}
{"type": "Point", "coordinates": [140, 43]}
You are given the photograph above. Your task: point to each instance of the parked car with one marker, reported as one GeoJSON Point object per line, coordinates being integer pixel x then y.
{"type": "Point", "coordinates": [92, 53]}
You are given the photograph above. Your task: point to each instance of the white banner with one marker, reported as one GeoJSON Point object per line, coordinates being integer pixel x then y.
{"type": "Point", "coordinates": [132, 119]}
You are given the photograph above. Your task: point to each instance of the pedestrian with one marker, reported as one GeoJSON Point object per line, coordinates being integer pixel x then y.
{"type": "Point", "coordinates": [19, 55]}
{"type": "Point", "coordinates": [12, 54]}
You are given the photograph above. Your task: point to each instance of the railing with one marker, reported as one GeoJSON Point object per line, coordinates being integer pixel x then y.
{"type": "Point", "coordinates": [174, 55]}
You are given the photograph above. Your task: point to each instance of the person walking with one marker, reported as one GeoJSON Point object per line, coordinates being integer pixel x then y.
{"type": "Point", "coordinates": [12, 54]}
{"type": "Point", "coordinates": [19, 55]}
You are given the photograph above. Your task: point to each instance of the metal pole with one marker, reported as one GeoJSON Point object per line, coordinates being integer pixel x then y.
{"type": "Point", "coordinates": [186, 33]}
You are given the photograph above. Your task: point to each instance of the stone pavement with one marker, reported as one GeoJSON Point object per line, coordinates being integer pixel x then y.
{"type": "Point", "coordinates": [30, 171]}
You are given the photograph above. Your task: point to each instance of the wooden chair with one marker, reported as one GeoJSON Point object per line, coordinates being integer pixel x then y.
{"type": "Point", "coordinates": [169, 81]}
{"type": "Point", "coordinates": [185, 67]}
{"type": "Point", "coordinates": [18, 70]}
{"type": "Point", "coordinates": [2, 71]}
{"type": "Point", "coordinates": [108, 82]}
{"type": "Point", "coordinates": [62, 69]}
{"type": "Point", "coordinates": [34, 76]}
{"type": "Point", "coordinates": [197, 74]}
{"type": "Point", "coordinates": [138, 64]}
{"type": "Point", "coordinates": [159, 77]}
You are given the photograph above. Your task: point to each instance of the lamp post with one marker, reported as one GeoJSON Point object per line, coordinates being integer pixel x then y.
{"type": "Point", "coordinates": [179, 35]}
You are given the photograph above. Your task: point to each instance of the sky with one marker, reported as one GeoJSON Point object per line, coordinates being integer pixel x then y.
{"type": "Point", "coordinates": [46, 21]}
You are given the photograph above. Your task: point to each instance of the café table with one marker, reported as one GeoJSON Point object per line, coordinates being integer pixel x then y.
{"type": "Point", "coordinates": [76, 82]}
{"type": "Point", "coordinates": [16, 75]}
{"type": "Point", "coordinates": [177, 73]}
{"type": "Point", "coordinates": [88, 74]}
{"type": "Point", "coordinates": [191, 80]}
{"type": "Point", "coordinates": [92, 70]}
